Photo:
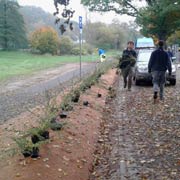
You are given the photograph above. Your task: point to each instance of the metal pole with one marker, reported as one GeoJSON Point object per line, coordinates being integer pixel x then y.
{"type": "Point", "coordinates": [80, 41]}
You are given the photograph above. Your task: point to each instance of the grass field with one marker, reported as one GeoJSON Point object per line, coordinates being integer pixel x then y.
{"type": "Point", "coordinates": [14, 64]}
{"type": "Point", "coordinates": [22, 63]}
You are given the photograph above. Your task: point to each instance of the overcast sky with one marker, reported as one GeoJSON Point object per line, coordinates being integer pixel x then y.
{"type": "Point", "coordinates": [48, 6]}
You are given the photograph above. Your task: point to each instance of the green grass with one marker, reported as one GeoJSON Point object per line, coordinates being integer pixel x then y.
{"type": "Point", "coordinates": [113, 53]}
{"type": "Point", "coordinates": [22, 63]}
{"type": "Point", "coordinates": [13, 64]}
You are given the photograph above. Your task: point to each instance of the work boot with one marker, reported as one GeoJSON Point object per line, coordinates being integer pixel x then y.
{"type": "Point", "coordinates": [161, 98]}
{"type": "Point", "coordinates": [155, 97]}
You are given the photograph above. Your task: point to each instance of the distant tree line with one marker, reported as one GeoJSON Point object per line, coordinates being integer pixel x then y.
{"type": "Point", "coordinates": [31, 27]}
{"type": "Point", "coordinates": [12, 29]}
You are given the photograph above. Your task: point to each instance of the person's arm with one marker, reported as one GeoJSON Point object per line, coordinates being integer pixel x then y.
{"type": "Point", "coordinates": [123, 55]}
{"type": "Point", "coordinates": [150, 62]}
{"type": "Point", "coordinates": [135, 54]}
{"type": "Point", "coordinates": [169, 65]}
{"type": "Point", "coordinates": [121, 59]}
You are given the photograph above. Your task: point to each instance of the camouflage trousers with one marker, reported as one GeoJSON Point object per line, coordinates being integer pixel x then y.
{"type": "Point", "coordinates": [127, 74]}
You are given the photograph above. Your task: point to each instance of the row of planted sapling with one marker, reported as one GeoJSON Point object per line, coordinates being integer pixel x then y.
{"type": "Point", "coordinates": [30, 142]}
{"type": "Point", "coordinates": [74, 95]}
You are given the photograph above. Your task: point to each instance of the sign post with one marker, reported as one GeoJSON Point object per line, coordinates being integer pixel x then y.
{"type": "Point", "coordinates": [80, 41]}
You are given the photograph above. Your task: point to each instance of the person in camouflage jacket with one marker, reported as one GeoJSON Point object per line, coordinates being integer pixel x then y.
{"type": "Point", "coordinates": [126, 64]}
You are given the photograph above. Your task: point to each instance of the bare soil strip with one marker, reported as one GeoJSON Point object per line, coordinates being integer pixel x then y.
{"type": "Point", "coordinates": [69, 155]}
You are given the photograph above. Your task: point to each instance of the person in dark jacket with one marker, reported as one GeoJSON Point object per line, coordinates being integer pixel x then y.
{"type": "Point", "coordinates": [158, 64]}
{"type": "Point", "coordinates": [126, 64]}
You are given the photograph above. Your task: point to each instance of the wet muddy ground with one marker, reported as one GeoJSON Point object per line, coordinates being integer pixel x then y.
{"type": "Point", "coordinates": [140, 140]}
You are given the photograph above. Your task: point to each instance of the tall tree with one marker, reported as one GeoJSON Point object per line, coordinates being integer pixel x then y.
{"type": "Point", "coordinates": [129, 7]}
{"type": "Point", "coordinates": [12, 31]}
{"type": "Point", "coordinates": [158, 18]}
{"type": "Point", "coordinates": [161, 19]}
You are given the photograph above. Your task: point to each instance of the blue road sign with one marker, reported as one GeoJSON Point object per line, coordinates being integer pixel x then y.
{"type": "Point", "coordinates": [80, 22]}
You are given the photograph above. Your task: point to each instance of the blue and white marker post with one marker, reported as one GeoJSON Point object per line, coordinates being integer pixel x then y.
{"type": "Point", "coordinates": [80, 40]}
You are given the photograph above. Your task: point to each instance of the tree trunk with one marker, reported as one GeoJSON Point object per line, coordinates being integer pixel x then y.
{"type": "Point", "coordinates": [5, 43]}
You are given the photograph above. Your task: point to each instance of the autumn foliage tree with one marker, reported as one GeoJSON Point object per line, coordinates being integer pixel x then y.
{"type": "Point", "coordinates": [45, 40]}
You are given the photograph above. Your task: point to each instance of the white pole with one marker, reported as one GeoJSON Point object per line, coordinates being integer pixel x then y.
{"type": "Point", "coordinates": [80, 42]}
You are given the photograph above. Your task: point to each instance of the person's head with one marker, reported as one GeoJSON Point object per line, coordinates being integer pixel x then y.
{"type": "Point", "coordinates": [130, 45]}
{"type": "Point", "coordinates": [161, 43]}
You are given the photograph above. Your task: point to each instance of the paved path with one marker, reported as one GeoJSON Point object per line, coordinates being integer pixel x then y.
{"type": "Point", "coordinates": [19, 95]}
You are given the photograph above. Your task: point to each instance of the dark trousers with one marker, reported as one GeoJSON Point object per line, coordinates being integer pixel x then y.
{"type": "Point", "coordinates": [159, 78]}
{"type": "Point", "coordinates": [127, 76]}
